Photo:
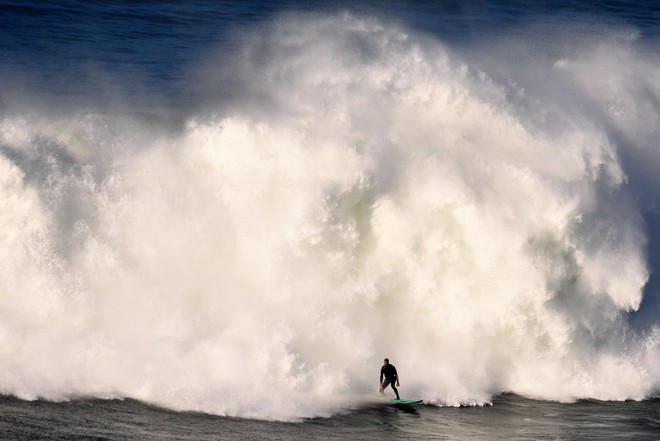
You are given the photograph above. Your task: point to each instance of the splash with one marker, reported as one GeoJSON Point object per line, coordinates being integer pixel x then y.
{"type": "Point", "coordinates": [364, 192]}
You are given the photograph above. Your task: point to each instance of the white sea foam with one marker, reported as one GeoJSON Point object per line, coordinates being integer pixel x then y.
{"type": "Point", "coordinates": [369, 193]}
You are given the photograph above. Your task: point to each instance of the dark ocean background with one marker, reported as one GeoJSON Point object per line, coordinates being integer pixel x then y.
{"type": "Point", "coordinates": [218, 217]}
{"type": "Point", "coordinates": [71, 50]}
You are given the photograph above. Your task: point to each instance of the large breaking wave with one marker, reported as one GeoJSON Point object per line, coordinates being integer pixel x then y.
{"type": "Point", "coordinates": [359, 191]}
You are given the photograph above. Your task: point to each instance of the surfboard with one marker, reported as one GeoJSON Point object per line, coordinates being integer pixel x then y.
{"type": "Point", "coordinates": [407, 402]}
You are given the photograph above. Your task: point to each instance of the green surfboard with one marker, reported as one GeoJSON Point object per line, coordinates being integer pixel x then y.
{"type": "Point", "coordinates": [408, 402]}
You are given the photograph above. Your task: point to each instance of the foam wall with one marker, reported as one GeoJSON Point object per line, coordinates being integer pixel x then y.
{"type": "Point", "coordinates": [365, 192]}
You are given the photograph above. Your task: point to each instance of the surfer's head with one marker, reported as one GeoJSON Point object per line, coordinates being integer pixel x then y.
{"type": "Point", "coordinates": [386, 361]}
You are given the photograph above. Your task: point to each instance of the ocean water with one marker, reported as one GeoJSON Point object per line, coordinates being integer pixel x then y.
{"type": "Point", "coordinates": [509, 418]}
{"type": "Point", "coordinates": [219, 217]}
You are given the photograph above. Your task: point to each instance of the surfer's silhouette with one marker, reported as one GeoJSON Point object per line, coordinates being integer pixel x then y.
{"type": "Point", "coordinates": [388, 371]}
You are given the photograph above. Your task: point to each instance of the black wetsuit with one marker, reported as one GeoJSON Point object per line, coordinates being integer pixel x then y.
{"type": "Point", "coordinates": [389, 372]}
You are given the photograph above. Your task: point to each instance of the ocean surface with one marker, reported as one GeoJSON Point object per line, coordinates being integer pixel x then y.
{"type": "Point", "coordinates": [217, 219]}
{"type": "Point", "coordinates": [509, 418]}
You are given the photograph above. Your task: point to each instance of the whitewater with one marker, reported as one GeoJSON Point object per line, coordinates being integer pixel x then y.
{"type": "Point", "coordinates": [348, 189]}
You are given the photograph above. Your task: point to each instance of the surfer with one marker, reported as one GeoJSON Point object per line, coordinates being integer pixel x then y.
{"type": "Point", "coordinates": [388, 371]}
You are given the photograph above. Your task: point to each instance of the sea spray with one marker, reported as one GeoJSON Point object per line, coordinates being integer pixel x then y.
{"type": "Point", "coordinates": [360, 192]}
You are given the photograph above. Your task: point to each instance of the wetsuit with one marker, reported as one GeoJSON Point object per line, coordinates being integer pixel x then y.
{"type": "Point", "coordinates": [389, 372]}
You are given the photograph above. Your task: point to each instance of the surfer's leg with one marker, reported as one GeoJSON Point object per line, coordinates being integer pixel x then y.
{"type": "Point", "coordinates": [395, 390]}
{"type": "Point", "coordinates": [383, 386]}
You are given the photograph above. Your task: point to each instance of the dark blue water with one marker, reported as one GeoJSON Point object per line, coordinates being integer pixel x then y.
{"type": "Point", "coordinates": [165, 61]}
{"type": "Point", "coordinates": [147, 52]}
